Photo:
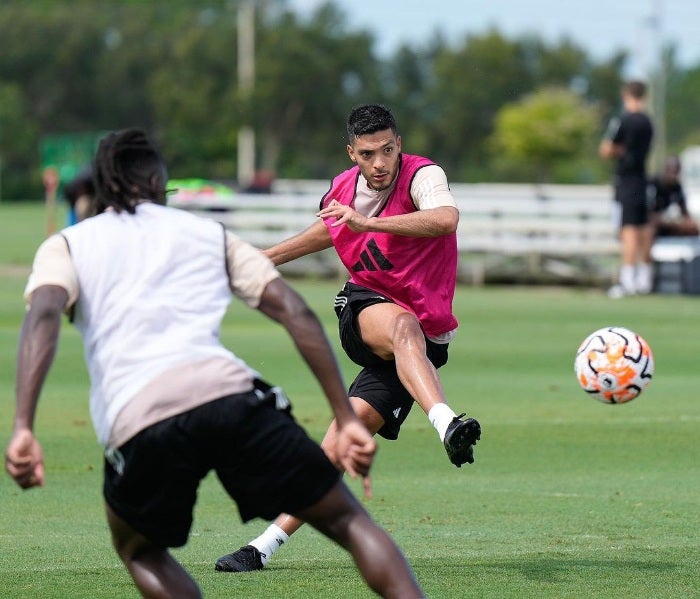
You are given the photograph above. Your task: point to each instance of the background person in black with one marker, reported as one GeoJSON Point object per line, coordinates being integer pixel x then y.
{"type": "Point", "coordinates": [627, 141]}
{"type": "Point", "coordinates": [669, 214]}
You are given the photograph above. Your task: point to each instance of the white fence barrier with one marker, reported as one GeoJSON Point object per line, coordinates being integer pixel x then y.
{"type": "Point", "coordinates": [520, 232]}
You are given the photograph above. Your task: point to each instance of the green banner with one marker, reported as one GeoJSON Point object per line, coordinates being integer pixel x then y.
{"type": "Point", "coordinates": [68, 153]}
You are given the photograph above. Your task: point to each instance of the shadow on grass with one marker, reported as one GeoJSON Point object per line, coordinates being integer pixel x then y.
{"type": "Point", "coordinates": [557, 575]}
{"type": "Point", "coordinates": [550, 568]}
{"type": "Point", "coordinates": [614, 576]}
{"type": "Point", "coordinates": [555, 569]}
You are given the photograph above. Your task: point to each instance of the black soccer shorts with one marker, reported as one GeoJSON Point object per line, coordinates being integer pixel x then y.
{"type": "Point", "coordinates": [631, 192]}
{"type": "Point", "coordinates": [263, 458]}
{"type": "Point", "coordinates": [378, 382]}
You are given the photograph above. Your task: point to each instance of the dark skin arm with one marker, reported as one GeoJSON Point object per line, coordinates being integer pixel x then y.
{"type": "Point", "coordinates": [280, 302]}
{"type": "Point", "coordinates": [24, 459]}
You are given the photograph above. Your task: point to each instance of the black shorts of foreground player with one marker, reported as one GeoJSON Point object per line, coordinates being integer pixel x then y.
{"type": "Point", "coordinates": [392, 220]}
{"type": "Point", "coordinates": [168, 401]}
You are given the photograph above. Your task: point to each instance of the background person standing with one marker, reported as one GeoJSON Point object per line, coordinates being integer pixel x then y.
{"type": "Point", "coordinates": [627, 141]}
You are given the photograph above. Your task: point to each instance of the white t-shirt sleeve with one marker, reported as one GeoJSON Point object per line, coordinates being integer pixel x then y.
{"type": "Point", "coordinates": [430, 188]}
{"type": "Point", "coordinates": [53, 266]}
{"type": "Point", "coordinates": [249, 270]}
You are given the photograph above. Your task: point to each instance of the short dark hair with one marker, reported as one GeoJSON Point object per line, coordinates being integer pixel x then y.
{"type": "Point", "coordinates": [127, 169]}
{"type": "Point", "coordinates": [636, 89]}
{"type": "Point", "coordinates": [368, 119]}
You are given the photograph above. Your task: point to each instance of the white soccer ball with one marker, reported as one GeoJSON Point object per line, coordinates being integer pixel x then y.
{"type": "Point", "coordinates": [614, 365]}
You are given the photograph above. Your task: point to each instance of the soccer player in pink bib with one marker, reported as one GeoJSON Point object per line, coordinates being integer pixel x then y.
{"type": "Point", "coordinates": [392, 220]}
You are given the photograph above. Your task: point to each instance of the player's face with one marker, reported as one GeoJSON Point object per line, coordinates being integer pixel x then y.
{"type": "Point", "coordinates": [377, 155]}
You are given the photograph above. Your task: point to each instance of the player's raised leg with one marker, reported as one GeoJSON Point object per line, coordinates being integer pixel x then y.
{"type": "Point", "coordinates": [391, 332]}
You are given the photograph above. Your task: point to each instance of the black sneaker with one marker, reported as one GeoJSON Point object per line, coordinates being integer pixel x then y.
{"type": "Point", "coordinates": [460, 438]}
{"type": "Point", "coordinates": [246, 559]}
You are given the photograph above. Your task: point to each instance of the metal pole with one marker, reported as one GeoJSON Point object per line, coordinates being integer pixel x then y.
{"type": "Point", "coordinates": [246, 81]}
{"type": "Point", "coordinates": [658, 86]}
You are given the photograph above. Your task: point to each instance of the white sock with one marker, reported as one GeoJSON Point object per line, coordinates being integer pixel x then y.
{"type": "Point", "coordinates": [644, 277]}
{"type": "Point", "coordinates": [440, 416]}
{"type": "Point", "coordinates": [627, 280]}
{"type": "Point", "coordinates": [269, 541]}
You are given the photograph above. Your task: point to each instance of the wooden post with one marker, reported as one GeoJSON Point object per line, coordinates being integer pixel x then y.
{"type": "Point", "coordinates": [51, 180]}
{"type": "Point", "coordinates": [246, 81]}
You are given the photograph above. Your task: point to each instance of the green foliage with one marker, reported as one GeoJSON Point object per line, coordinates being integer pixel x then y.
{"type": "Point", "coordinates": [603, 85]}
{"type": "Point", "coordinates": [18, 140]}
{"type": "Point", "coordinates": [550, 127]}
{"type": "Point", "coordinates": [684, 95]}
{"type": "Point", "coordinates": [309, 75]}
{"type": "Point", "coordinates": [71, 66]}
{"type": "Point", "coordinates": [470, 85]}
{"type": "Point", "coordinates": [476, 80]}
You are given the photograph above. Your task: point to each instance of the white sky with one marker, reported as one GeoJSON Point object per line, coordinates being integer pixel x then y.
{"type": "Point", "coordinates": [600, 26]}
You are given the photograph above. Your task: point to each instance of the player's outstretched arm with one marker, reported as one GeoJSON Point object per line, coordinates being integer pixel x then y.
{"type": "Point", "coordinates": [37, 348]}
{"type": "Point", "coordinates": [312, 239]}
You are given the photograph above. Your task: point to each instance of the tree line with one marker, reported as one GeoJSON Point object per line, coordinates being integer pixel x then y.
{"type": "Point", "coordinates": [487, 108]}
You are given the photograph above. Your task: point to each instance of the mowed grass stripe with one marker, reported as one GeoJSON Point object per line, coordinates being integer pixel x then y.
{"type": "Point", "coordinates": [568, 497]}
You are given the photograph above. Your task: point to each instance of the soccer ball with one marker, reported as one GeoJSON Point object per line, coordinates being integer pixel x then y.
{"type": "Point", "coordinates": [614, 365]}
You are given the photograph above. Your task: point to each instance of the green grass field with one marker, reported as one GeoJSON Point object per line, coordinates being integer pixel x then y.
{"type": "Point", "coordinates": [568, 497]}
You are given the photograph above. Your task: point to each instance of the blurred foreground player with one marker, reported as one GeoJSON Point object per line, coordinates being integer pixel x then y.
{"type": "Point", "coordinates": [147, 287]}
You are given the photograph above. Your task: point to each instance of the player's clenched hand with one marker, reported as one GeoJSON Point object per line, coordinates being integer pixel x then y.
{"type": "Point", "coordinates": [344, 215]}
{"type": "Point", "coordinates": [355, 452]}
{"type": "Point", "coordinates": [24, 459]}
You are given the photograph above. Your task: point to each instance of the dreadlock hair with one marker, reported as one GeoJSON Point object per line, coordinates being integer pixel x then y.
{"type": "Point", "coordinates": [368, 119]}
{"type": "Point", "coordinates": [128, 169]}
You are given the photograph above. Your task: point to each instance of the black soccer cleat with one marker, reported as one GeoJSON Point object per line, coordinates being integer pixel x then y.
{"type": "Point", "coordinates": [460, 438]}
{"type": "Point", "coordinates": [246, 559]}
